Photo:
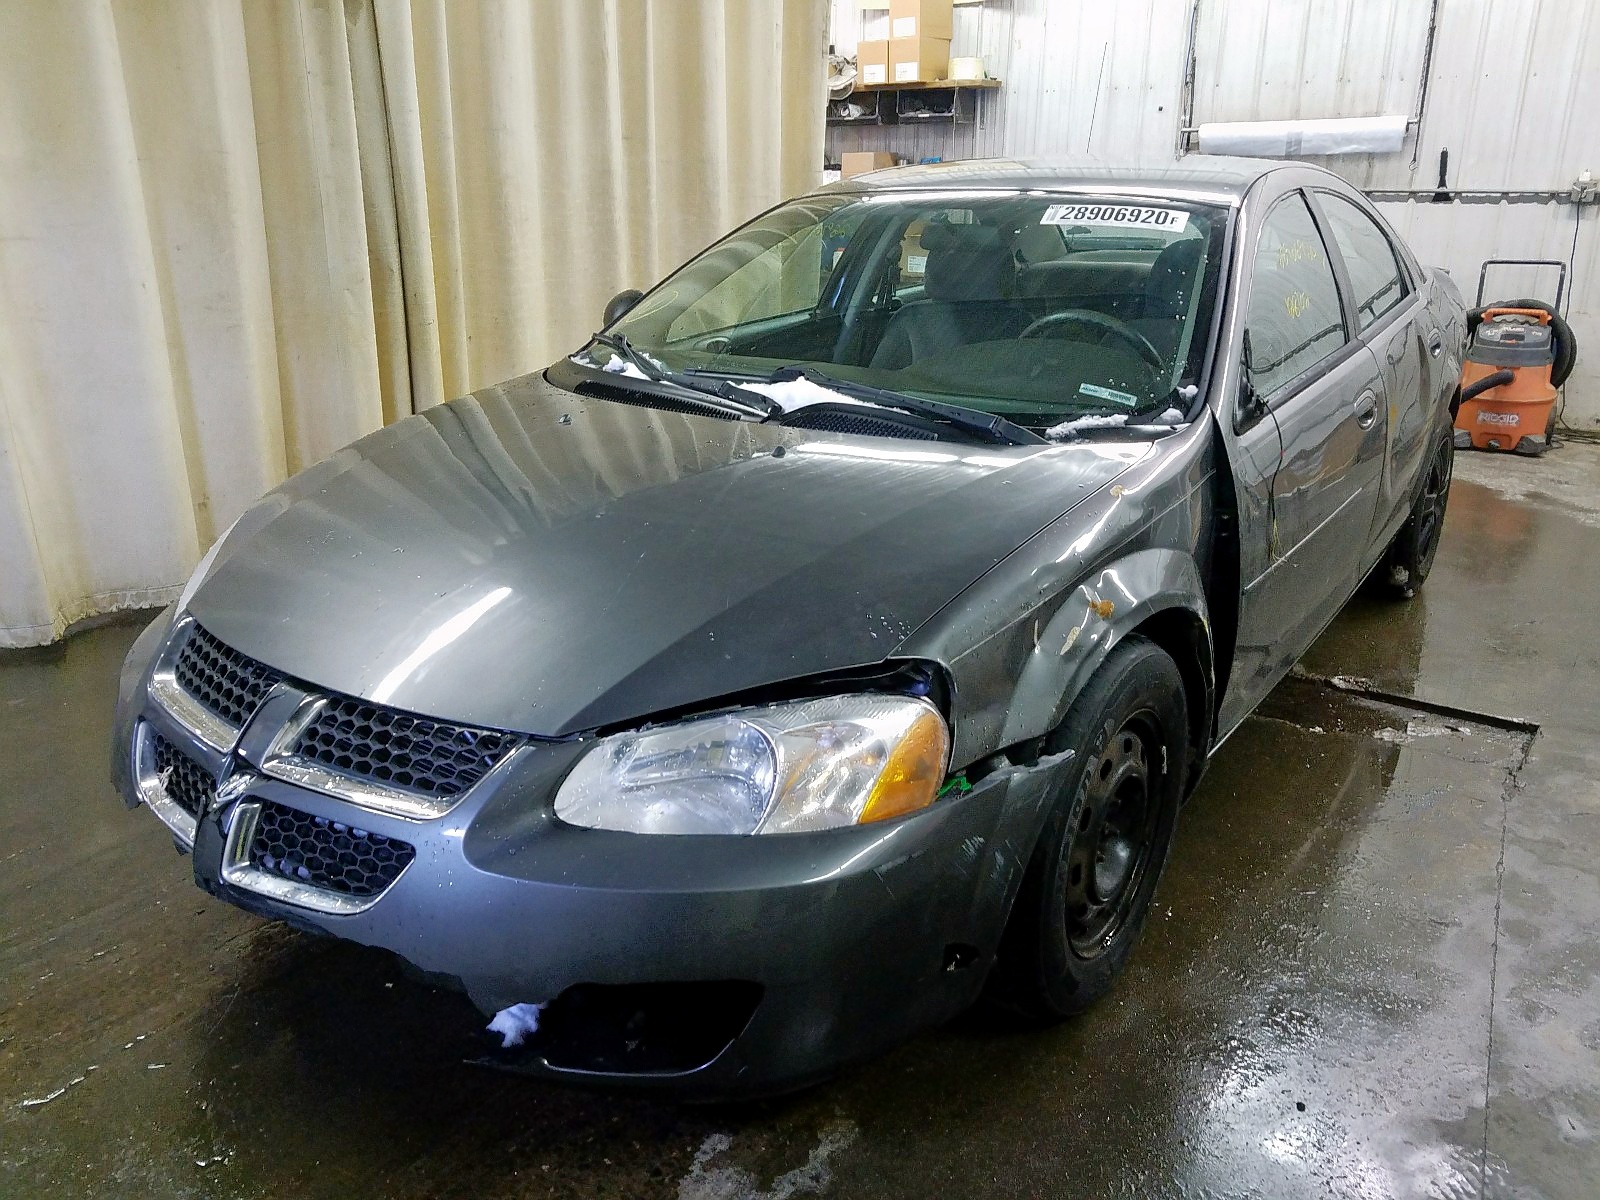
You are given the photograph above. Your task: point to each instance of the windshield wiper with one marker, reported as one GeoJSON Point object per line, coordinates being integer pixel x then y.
{"type": "Point", "coordinates": [1178, 400]}
{"type": "Point", "coordinates": [621, 345]}
{"type": "Point", "coordinates": [967, 419]}
{"type": "Point", "coordinates": [724, 396]}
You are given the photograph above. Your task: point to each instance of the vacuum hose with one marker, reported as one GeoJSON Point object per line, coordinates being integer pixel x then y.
{"type": "Point", "coordinates": [1473, 390]}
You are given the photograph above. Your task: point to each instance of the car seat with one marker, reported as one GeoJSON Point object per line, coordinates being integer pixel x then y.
{"type": "Point", "coordinates": [968, 283]}
{"type": "Point", "coordinates": [1167, 297]}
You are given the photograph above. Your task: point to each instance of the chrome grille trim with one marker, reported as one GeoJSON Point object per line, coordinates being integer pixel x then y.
{"type": "Point", "coordinates": [291, 768]}
{"type": "Point", "coordinates": [392, 748]}
{"type": "Point", "coordinates": [186, 781]}
{"type": "Point", "coordinates": [227, 684]}
{"type": "Point", "coordinates": [152, 791]}
{"type": "Point", "coordinates": [442, 760]}
{"type": "Point", "coordinates": [238, 871]}
{"type": "Point", "coordinates": [189, 713]}
{"type": "Point", "coordinates": [284, 761]}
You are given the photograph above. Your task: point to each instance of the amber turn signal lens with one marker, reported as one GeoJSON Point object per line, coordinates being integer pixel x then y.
{"type": "Point", "coordinates": [910, 779]}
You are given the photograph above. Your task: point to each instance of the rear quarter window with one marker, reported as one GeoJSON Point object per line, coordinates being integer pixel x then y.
{"type": "Point", "coordinates": [1369, 257]}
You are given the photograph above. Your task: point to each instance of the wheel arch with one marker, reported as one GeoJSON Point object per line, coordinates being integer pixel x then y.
{"type": "Point", "coordinates": [1179, 632]}
{"type": "Point", "coordinates": [1186, 637]}
{"type": "Point", "coordinates": [1155, 593]}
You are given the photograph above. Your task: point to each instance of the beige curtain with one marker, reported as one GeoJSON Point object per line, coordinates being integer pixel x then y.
{"type": "Point", "coordinates": [235, 235]}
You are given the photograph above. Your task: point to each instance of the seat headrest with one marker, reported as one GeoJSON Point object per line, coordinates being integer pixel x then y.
{"type": "Point", "coordinates": [1166, 289]}
{"type": "Point", "coordinates": [967, 262]}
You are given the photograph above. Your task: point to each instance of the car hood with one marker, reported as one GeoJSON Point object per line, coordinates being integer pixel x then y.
{"type": "Point", "coordinates": [534, 560]}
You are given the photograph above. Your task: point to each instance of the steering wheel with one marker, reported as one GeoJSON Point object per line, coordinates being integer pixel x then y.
{"type": "Point", "coordinates": [1094, 320]}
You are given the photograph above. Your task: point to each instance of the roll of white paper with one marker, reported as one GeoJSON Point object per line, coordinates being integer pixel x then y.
{"type": "Point", "coordinates": [1297, 139]}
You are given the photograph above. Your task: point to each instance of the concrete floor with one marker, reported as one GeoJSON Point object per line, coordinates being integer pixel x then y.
{"type": "Point", "coordinates": [1374, 969]}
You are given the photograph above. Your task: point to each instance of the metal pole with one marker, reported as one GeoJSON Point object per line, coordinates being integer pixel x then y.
{"type": "Point", "coordinates": [1422, 90]}
{"type": "Point", "coordinates": [1186, 124]}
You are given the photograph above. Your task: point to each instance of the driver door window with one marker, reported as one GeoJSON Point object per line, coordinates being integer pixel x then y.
{"type": "Point", "coordinates": [1295, 320]}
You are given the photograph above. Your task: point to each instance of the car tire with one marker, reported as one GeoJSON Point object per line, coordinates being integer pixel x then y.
{"type": "Point", "coordinates": [1406, 563]}
{"type": "Point", "coordinates": [1105, 843]}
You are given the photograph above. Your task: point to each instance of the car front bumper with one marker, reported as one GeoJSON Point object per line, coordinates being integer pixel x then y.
{"type": "Point", "coordinates": [714, 966]}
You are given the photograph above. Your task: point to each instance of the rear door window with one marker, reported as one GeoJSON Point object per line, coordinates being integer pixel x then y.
{"type": "Point", "coordinates": [1295, 320]}
{"type": "Point", "coordinates": [1369, 258]}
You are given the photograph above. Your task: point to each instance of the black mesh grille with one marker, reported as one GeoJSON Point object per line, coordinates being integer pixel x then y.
{"type": "Point", "coordinates": [831, 420]}
{"type": "Point", "coordinates": [326, 854]}
{"type": "Point", "coordinates": [385, 746]}
{"type": "Point", "coordinates": [186, 783]}
{"type": "Point", "coordinates": [225, 682]}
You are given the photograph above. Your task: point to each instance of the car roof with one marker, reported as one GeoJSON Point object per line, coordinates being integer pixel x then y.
{"type": "Point", "coordinates": [1206, 177]}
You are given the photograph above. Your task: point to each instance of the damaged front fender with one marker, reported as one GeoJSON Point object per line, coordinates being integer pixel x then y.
{"type": "Point", "coordinates": [1135, 557]}
{"type": "Point", "coordinates": [1097, 614]}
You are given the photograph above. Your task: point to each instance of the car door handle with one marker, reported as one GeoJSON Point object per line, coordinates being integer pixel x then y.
{"type": "Point", "coordinates": [1436, 344]}
{"type": "Point", "coordinates": [1366, 410]}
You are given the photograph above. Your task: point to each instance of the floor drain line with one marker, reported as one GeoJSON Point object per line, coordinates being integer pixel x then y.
{"type": "Point", "coordinates": [1353, 686]}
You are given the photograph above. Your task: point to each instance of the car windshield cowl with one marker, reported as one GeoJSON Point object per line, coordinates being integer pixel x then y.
{"type": "Point", "coordinates": [726, 397]}
{"type": "Point", "coordinates": [967, 420]}
{"type": "Point", "coordinates": [1179, 408]}
{"type": "Point", "coordinates": [1003, 315]}
{"type": "Point", "coordinates": [1160, 417]}
{"type": "Point", "coordinates": [629, 366]}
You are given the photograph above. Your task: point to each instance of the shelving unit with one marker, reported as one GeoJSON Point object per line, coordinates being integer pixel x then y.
{"type": "Point", "coordinates": [947, 101]}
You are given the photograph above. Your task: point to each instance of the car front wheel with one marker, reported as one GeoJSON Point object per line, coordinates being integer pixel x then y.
{"type": "Point", "coordinates": [1106, 841]}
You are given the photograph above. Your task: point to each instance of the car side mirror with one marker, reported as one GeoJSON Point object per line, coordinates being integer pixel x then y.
{"type": "Point", "coordinates": [619, 305]}
{"type": "Point", "coordinates": [1251, 406]}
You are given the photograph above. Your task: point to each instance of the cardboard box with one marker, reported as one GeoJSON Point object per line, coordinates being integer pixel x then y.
{"type": "Point", "coordinates": [918, 59]}
{"type": "Point", "coordinates": [920, 18]}
{"type": "Point", "coordinates": [859, 162]}
{"type": "Point", "coordinates": [913, 258]}
{"type": "Point", "coordinates": [872, 63]}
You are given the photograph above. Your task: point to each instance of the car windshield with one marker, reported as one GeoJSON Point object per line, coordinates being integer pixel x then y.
{"type": "Point", "coordinates": [1040, 308]}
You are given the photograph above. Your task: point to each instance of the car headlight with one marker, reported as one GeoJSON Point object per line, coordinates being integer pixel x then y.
{"type": "Point", "coordinates": [813, 764]}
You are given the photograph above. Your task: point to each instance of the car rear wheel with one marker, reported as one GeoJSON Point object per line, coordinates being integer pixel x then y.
{"type": "Point", "coordinates": [1410, 556]}
{"type": "Point", "coordinates": [1107, 838]}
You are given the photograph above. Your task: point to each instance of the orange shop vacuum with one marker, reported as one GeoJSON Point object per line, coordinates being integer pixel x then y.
{"type": "Point", "coordinates": [1520, 352]}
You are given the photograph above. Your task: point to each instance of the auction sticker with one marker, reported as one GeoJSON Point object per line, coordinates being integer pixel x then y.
{"type": "Point", "coordinates": [1117, 216]}
{"type": "Point", "coordinates": [1105, 393]}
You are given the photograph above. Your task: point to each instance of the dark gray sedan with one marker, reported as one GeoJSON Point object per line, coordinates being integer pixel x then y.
{"type": "Point", "coordinates": [831, 639]}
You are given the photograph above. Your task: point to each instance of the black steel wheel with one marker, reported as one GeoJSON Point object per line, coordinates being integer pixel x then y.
{"type": "Point", "coordinates": [1408, 560]}
{"type": "Point", "coordinates": [1114, 839]}
{"type": "Point", "coordinates": [1106, 839]}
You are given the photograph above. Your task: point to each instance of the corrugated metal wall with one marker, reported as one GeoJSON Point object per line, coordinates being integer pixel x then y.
{"type": "Point", "coordinates": [1080, 77]}
{"type": "Point", "coordinates": [1513, 95]}
{"type": "Point", "coordinates": [1266, 60]}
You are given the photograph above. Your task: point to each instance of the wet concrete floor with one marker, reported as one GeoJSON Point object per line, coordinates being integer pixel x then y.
{"type": "Point", "coordinates": [1374, 969]}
